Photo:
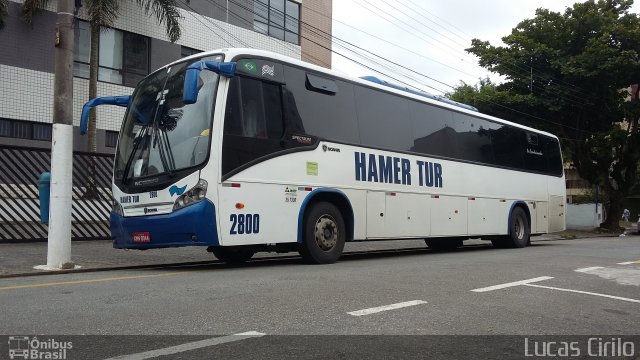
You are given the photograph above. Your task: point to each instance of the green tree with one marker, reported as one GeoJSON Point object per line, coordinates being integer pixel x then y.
{"type": "Point", "coordinates": [101, 15]}
{"type": "Point", "coordinates": [571, 71]}
{"type": "Point", "coordinates": [489, 98]}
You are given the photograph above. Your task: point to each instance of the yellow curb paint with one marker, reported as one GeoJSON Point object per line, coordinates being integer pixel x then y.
{"type": "Point", "coordinates": [76, 282]}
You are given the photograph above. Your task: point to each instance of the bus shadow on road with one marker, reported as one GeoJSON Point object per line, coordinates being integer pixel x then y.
{"type": "Point", "coordinates": [294, 259]}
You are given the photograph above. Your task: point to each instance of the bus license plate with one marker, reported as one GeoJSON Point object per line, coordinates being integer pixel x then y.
{"type": "Point", "coordinates": [141, 237]}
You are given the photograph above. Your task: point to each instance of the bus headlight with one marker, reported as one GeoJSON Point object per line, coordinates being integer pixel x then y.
{"type": "Point", "coordinates": [194, 195]}
{"type": "Point", "coordinates": [117, 208]}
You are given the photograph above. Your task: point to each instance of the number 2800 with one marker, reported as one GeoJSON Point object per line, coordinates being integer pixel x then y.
{"type": "Point", "coordinates": [244, 224]}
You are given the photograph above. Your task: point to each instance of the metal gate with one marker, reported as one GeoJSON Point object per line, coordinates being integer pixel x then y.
{"type": "Point", "coordinates": [19, 196]}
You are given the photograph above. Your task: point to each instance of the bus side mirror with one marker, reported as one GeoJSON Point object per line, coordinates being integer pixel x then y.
{"type": "Point", "coordinates": [107, 100]}
{"type": "Point", "coordinates": [192, 75]}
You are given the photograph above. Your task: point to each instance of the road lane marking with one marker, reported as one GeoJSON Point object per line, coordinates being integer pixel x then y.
{"type": "Point", "coordinates": [75, 282]}
{"type": "Point", "coordinates": [629, 262]}
{"type": "Point", "coordinates": [386, 308]}
{"type": "Point", "coordinates": [583, 292]}
{"type": "Point", "coordinates": [587, 269]}
{"type": "Point", "coordinates": [511, 284]}
{"type": "Point", "coordinates": [190, 346]}
{"type": "Point", "coordinates": [622, 276]}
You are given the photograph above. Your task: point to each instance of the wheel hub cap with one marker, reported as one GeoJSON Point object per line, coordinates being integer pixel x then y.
{"type": "Point", "coordinates": [326, 233]}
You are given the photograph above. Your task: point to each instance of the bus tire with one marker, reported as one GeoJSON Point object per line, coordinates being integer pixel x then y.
{"type": "Point", "coordinates": [519, 230]}
{"type": "Point", "coordinates": [232, 255]}
{"type": "Point", "coordinates": [443, 244]}
{"type": "Point", "coordinates": [323, 234]}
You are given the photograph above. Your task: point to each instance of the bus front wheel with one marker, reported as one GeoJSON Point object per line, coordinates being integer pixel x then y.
{"type": "Point", "coordinates": [323, 234]}
{"type": "Point", "coordinates": [231, 255]}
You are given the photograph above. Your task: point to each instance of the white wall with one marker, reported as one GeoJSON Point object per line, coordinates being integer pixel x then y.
{"type": "Point", "coordinates": [583, 216]}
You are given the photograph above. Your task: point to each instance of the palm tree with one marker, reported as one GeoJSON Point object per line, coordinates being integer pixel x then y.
{"type": "Point", "coordinates": [102, 14]}
{"type": "Point", "coordinates": [3, 12]}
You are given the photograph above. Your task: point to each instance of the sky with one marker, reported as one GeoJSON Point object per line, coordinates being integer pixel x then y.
{"type": "Point", "coordinates": [426, 37]}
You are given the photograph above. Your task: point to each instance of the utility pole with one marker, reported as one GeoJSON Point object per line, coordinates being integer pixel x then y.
{"type": "Point", "coordinates": [59, 238]}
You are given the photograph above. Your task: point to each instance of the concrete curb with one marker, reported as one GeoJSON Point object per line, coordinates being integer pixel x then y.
{"type": "Point", "coordinates": [104, 268]}
{"type": "Point", "coordinates": [214, 262]}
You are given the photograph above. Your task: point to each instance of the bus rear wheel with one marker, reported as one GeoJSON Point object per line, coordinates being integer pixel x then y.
{"type": "Point", "coordinates": [232, 255]}
{"type": "Point", "coordinates": [519, 230]}
{"type": "Point", "coordinates": [323, 234]}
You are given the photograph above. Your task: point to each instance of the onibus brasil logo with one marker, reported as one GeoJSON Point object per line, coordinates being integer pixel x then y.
{"type": "Point", "coordinates": [25, 347]}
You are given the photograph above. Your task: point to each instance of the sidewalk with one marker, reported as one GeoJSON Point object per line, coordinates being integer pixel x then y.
{"type": "Point", "coordinates": [19, 259]}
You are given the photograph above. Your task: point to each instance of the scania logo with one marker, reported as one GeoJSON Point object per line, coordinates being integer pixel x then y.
{"type": "Point", "coordinates": [150, 210]}
{"type": "Point", "coordinates": [328, 148]}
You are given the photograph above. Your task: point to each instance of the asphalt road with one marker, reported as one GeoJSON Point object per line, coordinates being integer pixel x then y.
{"type": "Point", "coordinates": [288, 309]}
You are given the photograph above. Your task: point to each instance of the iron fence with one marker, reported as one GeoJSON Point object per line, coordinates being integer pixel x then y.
{"type": "Point", "coordinates": [19, 194]}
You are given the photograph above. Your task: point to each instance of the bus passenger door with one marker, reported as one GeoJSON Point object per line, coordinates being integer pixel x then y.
{"type": "Point", "coordinates": [376, 213]}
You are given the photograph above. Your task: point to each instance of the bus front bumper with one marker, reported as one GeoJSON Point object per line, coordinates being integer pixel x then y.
{"type": "Point", "coordinates": [194, 225]}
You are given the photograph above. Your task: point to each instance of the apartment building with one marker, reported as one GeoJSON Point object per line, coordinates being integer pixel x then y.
{"type": "Point", "coordinates": [134, 47]}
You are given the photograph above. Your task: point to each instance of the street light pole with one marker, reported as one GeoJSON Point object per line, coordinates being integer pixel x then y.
{"type": "Point", "coordinates": [59, 237]}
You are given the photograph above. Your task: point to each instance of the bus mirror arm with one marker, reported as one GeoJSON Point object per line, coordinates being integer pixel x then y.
{"type": "Point", "coordinates": [106, 100]}
{"type": "Point", "coordinates": [192, 74]}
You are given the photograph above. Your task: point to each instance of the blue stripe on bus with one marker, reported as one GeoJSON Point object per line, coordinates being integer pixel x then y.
{"type": "Point", "coordinates": [168, 230]}
{"type": "Point", "coordinates": [314, 193]}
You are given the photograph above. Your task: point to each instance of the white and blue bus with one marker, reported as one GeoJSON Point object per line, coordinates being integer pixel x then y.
{"type": "Point", "coordinates": [241, 150]}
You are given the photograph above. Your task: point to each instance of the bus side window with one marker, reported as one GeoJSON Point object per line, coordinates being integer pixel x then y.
{"type": "Point", "coordinates": [507, 147]}
{"type": "Point", "coordinates": [535, 157]}
{"type": "Point", "coordinates": [292, 117]}
{"type": "Point", "coordinates": [254, 123]}
{"type": "Point", "coordinates": [254, 109]}
{"type": "Point", "coordinates": [323, 108]}
{"type": "Point", "coordinates": [553, 156]}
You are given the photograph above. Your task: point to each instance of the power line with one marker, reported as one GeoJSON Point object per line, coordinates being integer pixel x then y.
{"type": "Point", "coordinates": [569, 86]}
{"type": "Point", "coordinates": [576, 102]}
{"type": "Point", "coordinates": [403, 82]}
{"type": "Point", "coordinates": [513, 66]}
{"type": "Point", "coordinates": [214, 24]}
{"type": "Point", "coordinates": [200, 21]}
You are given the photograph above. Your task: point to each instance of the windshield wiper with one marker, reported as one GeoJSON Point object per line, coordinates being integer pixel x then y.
{"type": "Point", "coordinates": [161, 140]}
{"type": "Point", "coordinates": [141, 137]}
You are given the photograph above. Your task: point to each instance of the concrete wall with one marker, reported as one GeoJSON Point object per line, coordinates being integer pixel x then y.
{"type": "Point", "coordinates": [583, 216]}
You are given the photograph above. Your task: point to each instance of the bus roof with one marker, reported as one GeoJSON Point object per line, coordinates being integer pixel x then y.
{"type": "Point", "coordinates": [418, 92]}
{"type": "Point", "coordinates": [447, 104]}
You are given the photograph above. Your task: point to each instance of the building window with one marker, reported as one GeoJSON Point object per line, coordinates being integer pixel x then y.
{"type": "Point", "coordinates": [187, 51]}
{"type": "Point", "coordinates": [25, 130]}
{"type": "Point", "coordinates": [42, 131]}
{"type": "Point", "coordinates": [277, 18]}
{"type": "Point", "coordinates": [5, 128]}
{"type": "Point", "coordinates": [81, 49]}
{"type": "Point", "coordinates": [123, 57]}
{"type": "Point", "coordinates": [111, 139]}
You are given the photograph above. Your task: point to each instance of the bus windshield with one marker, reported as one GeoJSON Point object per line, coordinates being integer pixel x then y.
{"type": "Point", "coordinates": [160, 134]}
